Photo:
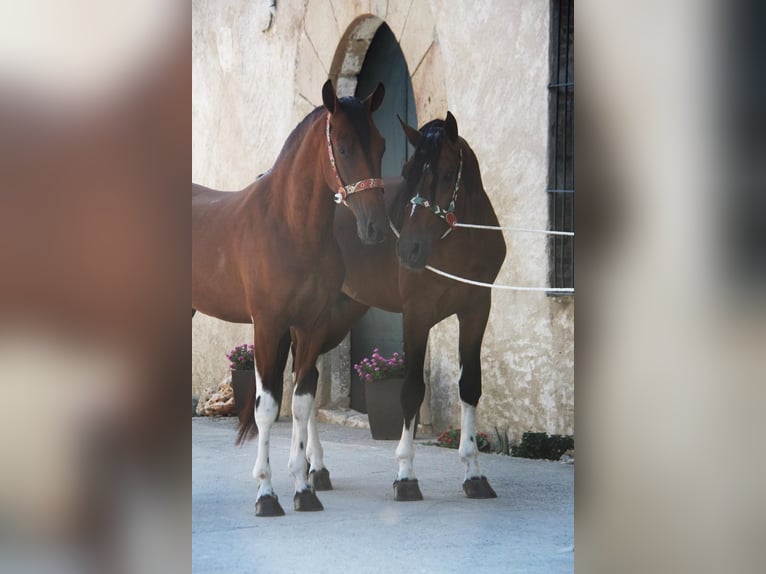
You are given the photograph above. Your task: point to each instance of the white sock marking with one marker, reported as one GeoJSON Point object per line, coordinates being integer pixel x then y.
{"type": "Point", "coordinates": [405, 453]}
{"type": "Point", "coordinates": [469, 448]}
{"type": "Point", "coordinates": [265, 415]}
{"type": "Point", "coordinates": [314, 450]}
{"type": "Point", "coordinates": [302, 407]}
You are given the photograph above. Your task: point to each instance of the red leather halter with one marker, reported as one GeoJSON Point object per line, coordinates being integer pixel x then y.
{"type": "Point", "coordinates": [345, 190]}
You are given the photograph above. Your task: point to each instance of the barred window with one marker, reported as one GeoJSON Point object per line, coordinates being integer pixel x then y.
{"type": "Point", "coordinates": [561, 144]}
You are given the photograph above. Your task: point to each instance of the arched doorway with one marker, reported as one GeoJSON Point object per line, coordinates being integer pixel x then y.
{"type": "Point", "coordinates": [383, 62]}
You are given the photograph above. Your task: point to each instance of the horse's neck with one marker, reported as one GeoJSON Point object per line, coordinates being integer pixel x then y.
{"type": "Point", "coordinates": [478, 208]}
{"type": "Point", "coordinates": [299, 189]}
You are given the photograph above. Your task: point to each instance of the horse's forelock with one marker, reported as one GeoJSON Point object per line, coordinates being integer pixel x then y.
{"type": "Point", "coordinates": [357, 113]}
{"type": "Point", "coordinates": [428, 150]}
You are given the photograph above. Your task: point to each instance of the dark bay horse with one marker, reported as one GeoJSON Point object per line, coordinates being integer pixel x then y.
{"type": "Point", "coordinates": [266, 255]}
{"type": "Point", "coordinates": [441, 185]}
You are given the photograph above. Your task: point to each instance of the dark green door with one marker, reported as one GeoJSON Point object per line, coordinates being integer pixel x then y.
{"type": "Point", "coordinates": [385, 63]}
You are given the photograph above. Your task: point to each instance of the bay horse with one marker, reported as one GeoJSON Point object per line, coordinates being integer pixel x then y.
{"type": "Point", "coordinates": [441, 185]}
{"type": "Point", "coordinates": [266, 255]}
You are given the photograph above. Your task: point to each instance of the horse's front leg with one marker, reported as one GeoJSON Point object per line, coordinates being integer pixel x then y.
{"type": "Point", "coordinates": [472, 326]}
{"type": "Point", "coordinates": [306, 375]}
{"type": "Point", "coordinates": [269, 364]}
{"type": "Point", "coordinates": [416, 329]}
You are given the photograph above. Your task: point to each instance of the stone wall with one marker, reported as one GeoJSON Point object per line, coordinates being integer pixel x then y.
{"type": "Point", "coordinates": [258, 71]}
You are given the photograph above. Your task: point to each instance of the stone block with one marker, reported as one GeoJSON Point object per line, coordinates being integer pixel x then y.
{"type": "Point", "coordinates": [310, 77]}
{"type": "Point", "coordinates": [429, 88]}
{"type": "Point", "coordinates": [418, 34]}
{"type": "Point", "coordinates": [346, 11]}
{"type": "Point", "coordinates": [322, 29]}
{"type": "Point", "coordinates": [394, 13]}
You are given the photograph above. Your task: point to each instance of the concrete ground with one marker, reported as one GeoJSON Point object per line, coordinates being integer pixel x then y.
{"type": "Point", "coordinates": [529, 528]}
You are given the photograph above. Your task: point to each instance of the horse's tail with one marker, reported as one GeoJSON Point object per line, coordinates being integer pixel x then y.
{"type": "Point", "coordinates": [247, 429]}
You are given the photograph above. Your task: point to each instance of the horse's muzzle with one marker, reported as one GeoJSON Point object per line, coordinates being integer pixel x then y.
{"type": "Point", "coordinates": [412, 254]}
{"type": "Point", "coordinates": [371, 233]}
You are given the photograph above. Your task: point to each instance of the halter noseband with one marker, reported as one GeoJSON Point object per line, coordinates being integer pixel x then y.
{"type": "Point", "coordinates": [345, 190]}
{"type": "Point", "coordinates": [448, 214]}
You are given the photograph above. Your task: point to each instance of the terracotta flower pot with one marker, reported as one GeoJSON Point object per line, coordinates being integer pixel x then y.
{"type": "Point", "coordinates": [384, 408]}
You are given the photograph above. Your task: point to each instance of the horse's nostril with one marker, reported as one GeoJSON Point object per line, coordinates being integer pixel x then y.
{"type": "Point", "coordinates": [372, 230]}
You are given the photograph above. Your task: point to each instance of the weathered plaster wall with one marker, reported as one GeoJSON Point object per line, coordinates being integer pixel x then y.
{"type": "Point", "coordinates": [486, 62]}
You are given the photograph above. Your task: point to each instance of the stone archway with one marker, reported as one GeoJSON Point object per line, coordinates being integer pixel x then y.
{"type": "Point", "coordinates": [335, 37]}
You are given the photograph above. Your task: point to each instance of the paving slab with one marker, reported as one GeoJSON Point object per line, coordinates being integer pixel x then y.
{"type": "Point", "coordinates": [529, 528]}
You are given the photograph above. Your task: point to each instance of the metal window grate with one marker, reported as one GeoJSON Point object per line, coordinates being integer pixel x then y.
{"type": "Point", "coordinates": [561, 144]}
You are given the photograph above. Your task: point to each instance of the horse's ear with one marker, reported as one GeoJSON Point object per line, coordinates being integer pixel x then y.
{"type": "Point", "coordinates": [328, 96]}
{"type": "Point", "coordinates": [374, 100]}
{"type": "Point", "coordinates": [450, 126]}
{"type": "Point", "coordinates": [413, 135]}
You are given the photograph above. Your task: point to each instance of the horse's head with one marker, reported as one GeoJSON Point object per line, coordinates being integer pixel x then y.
{"type": "Point", "coordinates": [356, 149]}
{"type": "Point", "coordinates": [433, 177]}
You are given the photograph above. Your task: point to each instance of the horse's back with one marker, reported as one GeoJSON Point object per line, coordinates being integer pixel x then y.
{"type": "Point", "coordinates": [205, 197]}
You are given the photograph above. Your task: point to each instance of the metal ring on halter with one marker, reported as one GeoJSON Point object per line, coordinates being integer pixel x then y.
{"type": "Point", "coordinates": [340, 196]}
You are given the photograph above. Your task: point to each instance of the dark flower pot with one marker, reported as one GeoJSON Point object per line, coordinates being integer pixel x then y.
{"type": "Point", "coordinates": [243, 384]}
{"type": "Point", "coordinates": [384, 408]}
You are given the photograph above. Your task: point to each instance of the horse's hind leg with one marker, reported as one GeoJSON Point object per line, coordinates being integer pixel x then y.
{"type": "Point", "coordinates": [472, 326]}
{"type": "Point", "coordinates": [344, 314]}
{"type": "Point", "coordinates": [319, 476]}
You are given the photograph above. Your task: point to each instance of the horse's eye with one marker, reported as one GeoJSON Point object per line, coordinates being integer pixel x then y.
{"type": "Point", "coordinates": [449, 176]}
{"type": "Point", "coordinates": [342, 150]}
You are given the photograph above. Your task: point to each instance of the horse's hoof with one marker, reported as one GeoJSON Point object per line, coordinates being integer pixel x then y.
{"type": "Point", "coordinates": [478, 487]}
{"type": "Point", "coordinates": [320, 479]}
{"type": "Point", "coordinates": [307, 501]}
{"type": "Point", "coordinates": [407, 490]}
{"type": "Point", "coordinates": [268, 506]}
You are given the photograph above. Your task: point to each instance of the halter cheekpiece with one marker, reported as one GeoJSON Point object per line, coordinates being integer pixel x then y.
{"type": "Point", "coordinates": [345, 190]}
{"type": "Point", "coordinates": [448, 214]}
